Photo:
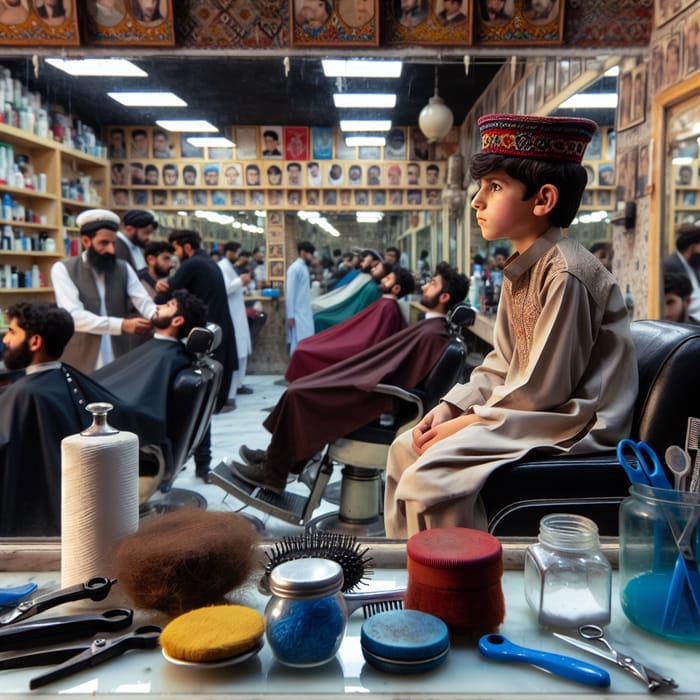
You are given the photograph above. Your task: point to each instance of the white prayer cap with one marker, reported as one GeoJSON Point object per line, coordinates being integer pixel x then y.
{"type": "Point", "coordinates": [93, 220]}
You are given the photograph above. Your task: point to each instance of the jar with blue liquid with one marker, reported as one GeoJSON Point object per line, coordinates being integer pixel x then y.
{"type": "Point", "coordinates": [306, 617]}
{"type": "Point", "coordinates": [659, 551]}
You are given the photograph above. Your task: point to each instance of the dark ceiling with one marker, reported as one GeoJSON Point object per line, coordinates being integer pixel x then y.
{"type": "Point", "coordinates": [254, 91]}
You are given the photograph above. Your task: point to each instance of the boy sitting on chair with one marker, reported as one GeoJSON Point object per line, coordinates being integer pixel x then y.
{"type": "Point", "coordinates": [562, 377]}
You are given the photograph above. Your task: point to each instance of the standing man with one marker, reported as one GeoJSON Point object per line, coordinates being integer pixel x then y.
{"type": "Point", "coordinates": [159, 264]}
{"type": "Point", "coordinates": [97, 289]}
{"type": "Point", "coordinates": [297, 297]}
{"type": "Point", "coordinates": [235, 283]}
{"type": "Point", "coordinates": [138, 226]}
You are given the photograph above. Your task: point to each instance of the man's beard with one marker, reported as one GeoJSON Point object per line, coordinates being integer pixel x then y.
{"type": "Point", "coordinates": [161, 272]}
{"type": "Point", "coordinates": [102, 262]}
{"type": "Point", "coordinates": [161, 323]}
{"type": "Point", "coordinates": [19, 358]}
{"type": "Point", "coordinates": [430, 302]}
{"type": "Point", "coordinates": [694, 260]}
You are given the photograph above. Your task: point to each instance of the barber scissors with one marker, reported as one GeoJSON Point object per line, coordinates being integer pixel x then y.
{"type": "Point", "coordinates": [646, 469]}
{"type": "Point", "coordinates": [74, 659]}
{"type": "Point", "coordinates": [96, 589]}
{"type": "Point", "coordinates": [594, 642]}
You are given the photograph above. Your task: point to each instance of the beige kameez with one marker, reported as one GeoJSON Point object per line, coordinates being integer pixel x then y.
{"type": "Point", "coordinates": [562, 376]}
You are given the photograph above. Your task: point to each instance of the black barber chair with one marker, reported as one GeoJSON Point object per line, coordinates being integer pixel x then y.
{"type": "Point", "coordinates": [191, 401]}
{"type": "Point", "coordinates": [516, 496]}
{"type": "Point", "coordinates": [363, 452]}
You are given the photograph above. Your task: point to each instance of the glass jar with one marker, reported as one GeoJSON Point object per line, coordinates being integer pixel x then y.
{"type": "Point", "coordinates": [567, 579]}
{"type": "Point", "coordinates": [306, 617]}
{"type": "Point", "coordinates": [655, 592]}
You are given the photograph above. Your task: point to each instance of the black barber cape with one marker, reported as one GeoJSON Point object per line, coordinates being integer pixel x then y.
{"type": "Point", "coordinates": [36, 412]}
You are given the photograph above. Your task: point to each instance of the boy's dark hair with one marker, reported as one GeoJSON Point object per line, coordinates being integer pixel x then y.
{"type": "Point", "coordinates": [192, 309]}
{"type": "Point", "coordinates": [157, 247]}
{"type": "Point", "coordinates": [677, 283]}
{"type": "Point", "coordinates": [404, 279]}
{"type": "Point", "coordinates": [570, 179]}
{"type": "Point", "coordinates": [184, 236]}
{"type": "Point", "coordinates": [453, 282]}
{"type": "Point", "coordinates": [53, 324]}
{"type": "Point", "coordinates": [393, 249]}
{"type": "Point", "coordinates": [306, 247]}
{"type": "Point", "coordinates": [501, 250]}
{"type": "Point", "coordinates": [233, 246]}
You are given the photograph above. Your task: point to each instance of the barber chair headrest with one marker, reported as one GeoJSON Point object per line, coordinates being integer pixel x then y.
{"type": "Point", "coordinates": [461, 316]}
{"type": "Point", "coordinates": [200, 340]}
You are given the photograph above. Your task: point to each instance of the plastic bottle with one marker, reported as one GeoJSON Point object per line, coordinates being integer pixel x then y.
{"type": "Point", "coordinates": [7, 207]}
{"type": "Point", "coordinates": [36, 283]}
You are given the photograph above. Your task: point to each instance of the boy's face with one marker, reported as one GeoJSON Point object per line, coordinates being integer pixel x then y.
{"type": "Point", "coordinates": [501, 211]}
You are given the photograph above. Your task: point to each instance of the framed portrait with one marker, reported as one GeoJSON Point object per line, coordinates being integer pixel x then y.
{"type": "Point", "coordinates": [368, 153]}
{"type": "Point", "coordinates": [296, 142]}
{"type": "Point", "coordinates": [672, 59]}
{"type": "Point", "coordinates": [274, 198]}
{"type": "Point", "coordinates": [271, 141]}
{"type": "Point", "coordinates": [529, 22]}
{"type": "Point", "coordinates": [159, 198]}
{"type": "Point", "coordinates": [643, 169]}
{"type": "Point", "coordinates": [187, 150]}
{"type": "Point", "coordinates": [330, 198]}
{"type": "Point", "coordinates": [666, 10]}
{"type": "Point", "coordinates": [233, 174]}
{"type": "Point", "coordinates": [342, 150]}
{"type": "Point", "coordinates": [294, 175]}
{"type": "Point", "coordinates": [341, 23]}
{"type": "Point", "coordinates": [276, 235]}
{"type": "Point", "coordinates": [199, 198]}
{"type": "Point", "coordinates": [276, 269]}
{"type": "Point", "coordinates": [395, 148]}
{"type": "Point", "coordinates": [274, 219]}
{"type": "Point", "coordinates": [129, 22]}
{"type": "Point", "coordinates": [429, 22]}
{"type": "Point", "coordinates": [238, 198]}
{"type": "Point", "coordinates": [39, 23]}
{"type": "Point", "coordinates": [691, 44]}
{"type": "Point", "coordinates": [252, 175]}
{"type": "Point", "coordinates": [378, 198]}
{"type": "Point", "coordinates": [246, 142]}
{"type": "Point", "coordinates": [120, 197]}
{"type": "Point", "coordinates": [322, 142]}
{"type": "Point", "coordinates": [593, 150]}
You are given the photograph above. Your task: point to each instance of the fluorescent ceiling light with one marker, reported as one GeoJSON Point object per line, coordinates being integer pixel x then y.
{"type": "Point", "coordinates": [365, 124]}
{"type": "Point", "coordinates": [193, 125]}
{"type": "Point", "coordinates": [352, 100]}
{"type": "Point", "coordinates": [210, 141]}
{"type": "Point", "coordinates": [591, 100]}
{"type": "Point", "coordinates": [369, 216]}
{"type": "Point", "coordinates": [365, 141]}
{"type": "Point", "coordinates": [98, 66]}
{"type": "Point", "coordinates": [148, 99]}
{"type": "Point", "coordinates": [360, 68]}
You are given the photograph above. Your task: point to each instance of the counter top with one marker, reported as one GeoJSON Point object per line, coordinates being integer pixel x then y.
{"type": "Point", "coordinates": [465, 674]}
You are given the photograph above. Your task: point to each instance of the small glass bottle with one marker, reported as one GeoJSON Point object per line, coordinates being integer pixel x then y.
{"type": "Point", "coordinates": [306, 617]}
{"type": "Point", "coordinates": [567, 579]}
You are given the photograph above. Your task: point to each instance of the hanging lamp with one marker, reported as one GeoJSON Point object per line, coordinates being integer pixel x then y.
{"type": "Point", "coordinates": [436, 118]}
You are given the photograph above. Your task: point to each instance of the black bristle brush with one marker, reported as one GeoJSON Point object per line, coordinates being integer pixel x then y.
{"type": "Point", "coordinates": [340, 548]}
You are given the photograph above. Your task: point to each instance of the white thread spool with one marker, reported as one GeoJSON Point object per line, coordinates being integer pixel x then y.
{"type": "Point", "coordinates": [99, 496]}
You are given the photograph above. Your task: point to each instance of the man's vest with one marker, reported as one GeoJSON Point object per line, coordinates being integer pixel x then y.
{"type": "Point", "coordinates": [83, 348]}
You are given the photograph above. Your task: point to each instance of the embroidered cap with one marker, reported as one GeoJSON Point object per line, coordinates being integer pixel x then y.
{"type": "Point", "coordinates": [93, 220]}
{"type": "Point", "coordinates": [140, 218]}
{"type": "Point", "coordinates": [524, 136]}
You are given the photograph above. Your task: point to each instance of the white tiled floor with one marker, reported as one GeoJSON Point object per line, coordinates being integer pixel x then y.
{"type": "Point", "coordinates": [229, 432]}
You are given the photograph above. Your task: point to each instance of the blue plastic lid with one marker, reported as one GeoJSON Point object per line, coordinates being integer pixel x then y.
{"type": "Point", "coordinates": [404, 635]}
{"type": "Point", "coordinates": [269, 292]}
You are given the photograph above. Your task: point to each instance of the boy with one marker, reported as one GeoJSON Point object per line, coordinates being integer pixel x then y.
{"type": "Point", "coordinates": [562, 376]}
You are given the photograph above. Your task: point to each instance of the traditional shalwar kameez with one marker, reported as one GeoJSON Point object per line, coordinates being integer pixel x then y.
{"type": "Point", "coordinates": [297, 299]}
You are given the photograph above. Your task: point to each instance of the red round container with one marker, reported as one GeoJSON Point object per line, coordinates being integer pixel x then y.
{"type": "Point", "coordinates": [455, 574]}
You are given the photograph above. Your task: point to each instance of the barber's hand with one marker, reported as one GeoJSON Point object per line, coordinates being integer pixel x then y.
{"type": "Point", "coordinates": [138, 325]}
{"type": "Point", "coordinates": [440, 432]}
{"type": "Point", "coordinates": [162, 286]}
{"type": "Point", "coordinates": [245, 278]}
{"type": "Point", "coordinates": [290, 323]}
{"type": "Point", "coordinates": [441, 413]}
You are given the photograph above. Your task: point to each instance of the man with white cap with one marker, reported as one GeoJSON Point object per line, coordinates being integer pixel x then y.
{"type": "Point", "coordinates": [96, 288]}
{"type": "Point", "coordinates": [138, 225]}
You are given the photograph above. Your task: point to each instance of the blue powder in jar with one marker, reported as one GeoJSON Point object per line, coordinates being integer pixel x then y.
{"type": "Point", "coordinates": [308, 632]}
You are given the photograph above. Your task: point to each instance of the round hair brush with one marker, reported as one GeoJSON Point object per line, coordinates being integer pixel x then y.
{"type": "Point", "coordinates": [342, 549]}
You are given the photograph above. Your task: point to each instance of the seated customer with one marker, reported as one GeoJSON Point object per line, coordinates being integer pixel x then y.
{"type": "Point", "coordinates": [37, 411]}
{"type": "Point", "coordinates": [368, 327]}
{"type": "Point", "coordinates": [326, 405]}
{"type": "Point", "coordinates": [677, 293]}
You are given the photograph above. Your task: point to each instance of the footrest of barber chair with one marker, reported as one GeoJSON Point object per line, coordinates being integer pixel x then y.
{"type": "Point", "coordinates": [290, 507]}
{"type": "Point", "coordinates": [173, 500]}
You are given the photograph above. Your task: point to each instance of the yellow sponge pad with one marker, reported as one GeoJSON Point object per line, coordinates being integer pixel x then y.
{"type": "Point", "coordinates": [213, 633]}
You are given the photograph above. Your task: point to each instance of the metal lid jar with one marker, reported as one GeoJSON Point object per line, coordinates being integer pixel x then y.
{"type": "Point", "coordinates": [306, 617]}
{"type": "Point", "coordinates": [568, 580]}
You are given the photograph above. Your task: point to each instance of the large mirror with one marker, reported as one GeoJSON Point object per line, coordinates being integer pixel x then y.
{"type": "Point", "coordinates": [263, 92]}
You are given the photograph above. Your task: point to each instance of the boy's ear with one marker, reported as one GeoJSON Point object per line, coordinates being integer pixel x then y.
{"type": "Point", "coordinates": [545, 200]}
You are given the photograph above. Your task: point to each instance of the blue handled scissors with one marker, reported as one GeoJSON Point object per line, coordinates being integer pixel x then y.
{"type": "Point", "coordinates": [646, 469]}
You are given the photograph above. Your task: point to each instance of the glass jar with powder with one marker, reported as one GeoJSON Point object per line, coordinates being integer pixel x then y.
{"type": "Point", "coordinates": [567, 578]}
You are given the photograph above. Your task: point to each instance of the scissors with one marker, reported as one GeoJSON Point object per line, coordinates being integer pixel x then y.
{"type": "Point", "coordinates": [593, 641]}
{"type": "Point", "coordinates": [96, 589]}
{"type": "Point", "coordinates": [646, 469]}
{"type": "Point", "coordinates": [74, 659]}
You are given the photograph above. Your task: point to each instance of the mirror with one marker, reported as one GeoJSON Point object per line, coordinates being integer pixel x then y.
{"type": "Point", "coordinates": [233, 88]}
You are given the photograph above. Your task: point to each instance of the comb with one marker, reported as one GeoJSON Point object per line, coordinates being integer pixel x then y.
{"type": "Point", "coordinates": [373, 602]}
{"type": "Point", "coordinates": [692, 442]}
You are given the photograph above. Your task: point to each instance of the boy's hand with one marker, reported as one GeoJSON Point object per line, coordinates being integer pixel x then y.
{"type": "Point", "coordinates": [440, 432]}
{"type": "Point", "coordinates": [424, 430]}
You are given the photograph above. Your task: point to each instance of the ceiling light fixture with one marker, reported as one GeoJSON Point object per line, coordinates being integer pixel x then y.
{"type": "Point", "coordinates": [365, 124]}
{"type": "Point", "coordinates": [361, 68]}
{"type": "Point", "coordinates": [369, 217]}
{"type": "Point", "coordinates": [102, 67]}
{"type": "Point", "coordinates": [369, 100]}
{"type": "Point", "coordinates": [436, 118]}
{"type": "Point", "coordinates": [365, 140]}
{"type": "Point", "coordinates": [210, 142]}
{"type": "Point", "coordinates": [193, 125]}
{"type": "Point", "coordinates": [148, 99]}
